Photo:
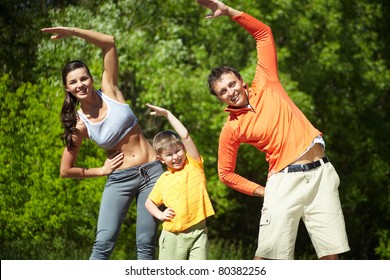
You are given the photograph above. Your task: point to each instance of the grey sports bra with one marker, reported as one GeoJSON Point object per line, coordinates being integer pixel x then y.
{"type": "Point", "coordinates": [119, 120]}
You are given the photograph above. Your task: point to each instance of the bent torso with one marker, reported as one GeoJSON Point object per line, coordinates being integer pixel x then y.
{"type": "Point", "coordinates": [314, 153]}
{"type": "Point", "coordinates": [136, 149]}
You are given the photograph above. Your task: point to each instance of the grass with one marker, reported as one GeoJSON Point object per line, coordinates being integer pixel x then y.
{"type": "Point", "coordinates": [18, 250]}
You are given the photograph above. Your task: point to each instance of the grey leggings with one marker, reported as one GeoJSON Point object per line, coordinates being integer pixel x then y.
{"type": "Point", "coordinates": [121, 187]}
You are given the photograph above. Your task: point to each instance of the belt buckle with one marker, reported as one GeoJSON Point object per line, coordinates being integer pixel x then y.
{"type": "Point", "coordinates": [305, 167]}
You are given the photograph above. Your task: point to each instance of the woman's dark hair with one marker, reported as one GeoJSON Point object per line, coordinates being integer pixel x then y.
{"type": "Point", "coordinates": [69, 115]}
{"type": "Point", "coordinates": [216, 74]}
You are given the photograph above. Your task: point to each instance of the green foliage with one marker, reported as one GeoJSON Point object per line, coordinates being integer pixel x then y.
{"type": "Point", "coordinates": [38, 208]}
{"type": "Point", "coordinates": [230, 250]}
{"type": "Point", "coordinates": [383, 249]}
{"type": "Point", "coordinates": [333, 61]}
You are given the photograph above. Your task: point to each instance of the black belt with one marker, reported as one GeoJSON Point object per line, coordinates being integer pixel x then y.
{"type": "Point", "coordinates": [304, 167]}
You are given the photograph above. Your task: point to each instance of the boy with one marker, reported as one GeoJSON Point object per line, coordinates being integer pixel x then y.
{"type": "Point", "coordinates": [182, 189]}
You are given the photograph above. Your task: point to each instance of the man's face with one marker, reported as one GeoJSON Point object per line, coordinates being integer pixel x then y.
{"type": "Point", "coordinates": [230, 90]}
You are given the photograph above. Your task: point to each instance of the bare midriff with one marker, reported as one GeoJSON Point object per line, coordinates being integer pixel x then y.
{"type": "Point", "coordinates": [136, 149]}
{"type": "Point", "coordinates": [314, 153]}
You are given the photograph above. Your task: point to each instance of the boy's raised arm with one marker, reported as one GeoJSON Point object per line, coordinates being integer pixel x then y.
{"type": "Point", "coordinates": [179, 128]}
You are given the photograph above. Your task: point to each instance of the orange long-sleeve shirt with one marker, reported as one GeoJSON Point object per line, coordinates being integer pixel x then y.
{"type": "Point", "coordinates": [273, 123]}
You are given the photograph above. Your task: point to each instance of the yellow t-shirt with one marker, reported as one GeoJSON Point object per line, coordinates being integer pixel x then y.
{"type": "Point", "coordinates": [185, 192]}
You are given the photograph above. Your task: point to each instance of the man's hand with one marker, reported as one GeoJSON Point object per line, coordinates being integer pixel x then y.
{"type": "Point", "coordinates": [259, 191]}
{"type": "Point", "coordinates": [217, 8]}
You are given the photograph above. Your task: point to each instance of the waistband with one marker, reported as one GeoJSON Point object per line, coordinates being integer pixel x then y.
{"type": "Point", "coordinates": [138, 167]}
{"type": "Point", "coordinates": [200, 225]}
{"type": "Point", "coordinates": [304, 167]}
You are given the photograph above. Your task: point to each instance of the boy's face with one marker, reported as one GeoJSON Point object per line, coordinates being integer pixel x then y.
{"type": "Point", "coordinates": [174, 157]}
{"type": "Point", "coordinates": [231, 90]}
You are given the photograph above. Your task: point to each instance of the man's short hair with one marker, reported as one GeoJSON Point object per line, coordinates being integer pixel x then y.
{"type": "Point", "coordinates": [216, 74]}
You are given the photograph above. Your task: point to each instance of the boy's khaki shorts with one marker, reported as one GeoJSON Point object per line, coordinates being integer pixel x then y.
{"type": "Point", "coordinates": [310, 195]}
{"type": "Point", "coordinates": [191, 244]}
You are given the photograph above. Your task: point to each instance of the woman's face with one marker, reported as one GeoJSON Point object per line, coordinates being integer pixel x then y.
{"type": "Point", "coordinates": [79, 83]}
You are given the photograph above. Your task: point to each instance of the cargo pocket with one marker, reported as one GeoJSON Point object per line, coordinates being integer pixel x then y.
{"type": "Point", "coordinates": [265, 219]}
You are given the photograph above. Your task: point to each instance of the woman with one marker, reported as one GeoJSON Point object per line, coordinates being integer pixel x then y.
{"type": "Point", "coordinates": [104, 117]}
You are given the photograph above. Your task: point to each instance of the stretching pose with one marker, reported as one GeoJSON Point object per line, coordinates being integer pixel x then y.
{"type": "Point", "coordinates": [182, 190]}
{"type": "Point", "coordinates": [104, 117]}
{"type": "Point", "coordinates": [302, 183]}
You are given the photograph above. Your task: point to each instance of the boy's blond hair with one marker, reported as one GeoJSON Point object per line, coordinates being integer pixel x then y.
{"type": "Point", "coordinates": [165, 140]}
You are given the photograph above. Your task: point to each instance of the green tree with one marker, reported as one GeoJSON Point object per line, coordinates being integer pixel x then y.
{"type": "Point", "coordinates": [333, 61]}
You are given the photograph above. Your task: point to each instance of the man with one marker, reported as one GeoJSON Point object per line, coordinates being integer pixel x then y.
{"type": "Point", "coordinates": [302, 183]}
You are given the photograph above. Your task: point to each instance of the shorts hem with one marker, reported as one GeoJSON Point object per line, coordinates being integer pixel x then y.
{"type": "Point", "coordinates": [338, 252]}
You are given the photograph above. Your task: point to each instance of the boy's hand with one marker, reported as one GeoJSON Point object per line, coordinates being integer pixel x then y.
{"type": "Point", "coordinates": [158, 111]}
{"type": "Point", "coordinates": [168, 214]}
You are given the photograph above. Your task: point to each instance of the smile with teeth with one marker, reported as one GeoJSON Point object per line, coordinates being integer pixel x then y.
{"type": "Point", "coordinates": [234, 98]}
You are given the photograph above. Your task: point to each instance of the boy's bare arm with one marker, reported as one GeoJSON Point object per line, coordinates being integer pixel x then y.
{"type": "Point", "coordinates": [179, 128]}
{"type": "Point", "coordinates": [167, 215]}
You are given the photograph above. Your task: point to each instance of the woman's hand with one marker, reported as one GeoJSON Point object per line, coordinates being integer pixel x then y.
{"type": "Point", "coordinates": [112, 163]}
{"type": "Point", "coordinates": [61, 32]}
